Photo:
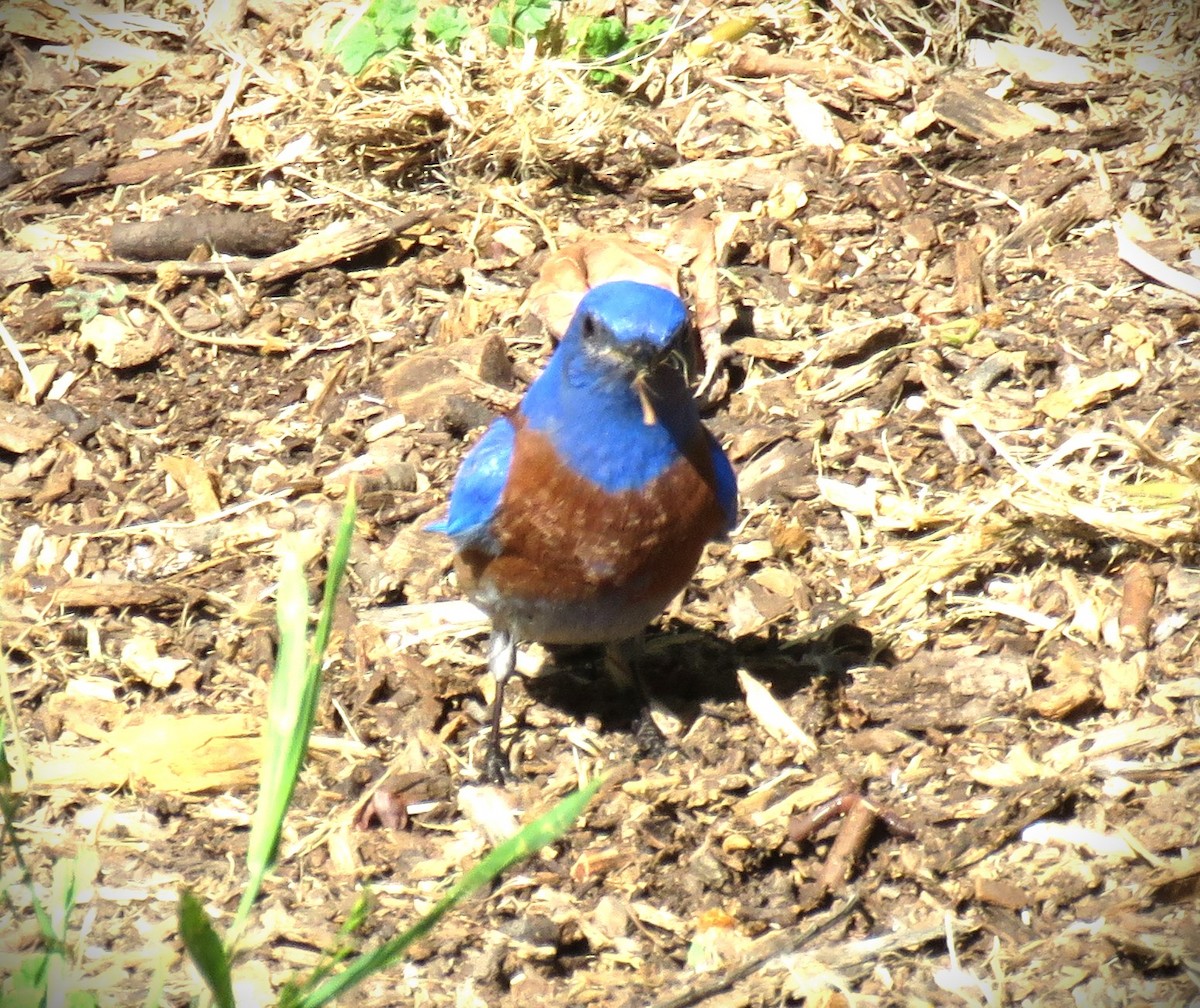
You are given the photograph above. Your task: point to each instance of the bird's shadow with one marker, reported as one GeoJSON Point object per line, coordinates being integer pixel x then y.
{"type": "Point", "coordinates": [685, 670]}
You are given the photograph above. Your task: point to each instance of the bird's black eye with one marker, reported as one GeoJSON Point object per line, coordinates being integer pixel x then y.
{"type": "Point", "coordinates": [596, 331]}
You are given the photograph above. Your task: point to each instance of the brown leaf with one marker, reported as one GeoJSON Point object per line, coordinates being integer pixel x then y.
{"type": "Point", "coordinates": [196, 481]}
{"type": "Point", "coordinates": [118, 344]}
{"type": "Point", "coordinates": [569, 273]}
{"type": "Point", "coordinates": [1062, 699]}
{"type": "Point", "coordinates": [24, 429]}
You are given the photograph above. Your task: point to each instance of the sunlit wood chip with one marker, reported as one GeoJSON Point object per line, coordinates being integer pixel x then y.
{"type": "Point", "coordinates": [1017, 767]}
{"type": "Point", "coordinates": [767, 711]}
{"type": "Point", "coordinates": [569, 273]}
{"type": "Point", "coordinates": [1062, 699]}
{"type": "Point", "coordinates": [140, 656]}
{"type": "Point", "coordinates": [859, 500]}
{"type": "Point", "coordinates": [491, 809]}
{"type": "Point", "coordinates": [1061, 403]}
{"type": "Point", "coordinates": [1043, 66]}
{"type": "Point", "coordinates": [25, 429]}
{"type": "Point", "coordinates": [195, 480]}
{"type": "Point", "coordinates": [119, 345]}
{"type": "Point", "coordinates": [811, 120]}
{"type": "Point", "coordinates": [1064, 834]}
{"type": "Point", "coordinates": [1121, 679]}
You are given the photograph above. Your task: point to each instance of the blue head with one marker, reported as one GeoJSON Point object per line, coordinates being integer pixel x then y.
{"type": "Point", "coordinates": [624, 331]}
{"type": "Point", "coordinates": [614, 398]}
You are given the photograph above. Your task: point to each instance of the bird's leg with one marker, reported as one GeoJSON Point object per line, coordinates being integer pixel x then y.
{"type": "Point", "coordinates": [620, 661]}
{"type": "Point", "coordinates": [502, 660]}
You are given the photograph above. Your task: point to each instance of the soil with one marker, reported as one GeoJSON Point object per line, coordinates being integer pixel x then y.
{"type": "Point", "coordinates": [931, 713]}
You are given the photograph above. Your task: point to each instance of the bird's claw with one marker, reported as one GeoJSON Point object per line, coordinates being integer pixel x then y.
{"type": "Point", "coordinates": [495, 768]}
{"type": "Point", "coordinates": [651, 741]}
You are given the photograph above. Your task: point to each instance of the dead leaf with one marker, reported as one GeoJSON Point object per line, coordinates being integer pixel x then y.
{"type": "Point", "coordinates": [140, 656]}
{"type": "Point", "coordinates": [570, 272]}
{"type": "Point", "coordinates": [196, 481]}
{"type": "Point", "coordinates": [25, 429]}
{"type": "Point", "coordinates": [119, 345]}
{"type": "Point", "coordinates": [1061, 403]}
{"type": "Point", "coordinates": [171, 753]}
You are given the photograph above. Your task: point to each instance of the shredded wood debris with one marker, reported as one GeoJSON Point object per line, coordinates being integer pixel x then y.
{"type": "Point", "coordinates": [942, 261]}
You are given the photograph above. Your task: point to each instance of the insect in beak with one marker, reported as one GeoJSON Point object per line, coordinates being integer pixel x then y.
{"type": "Point", "coordinates": [649, 417]}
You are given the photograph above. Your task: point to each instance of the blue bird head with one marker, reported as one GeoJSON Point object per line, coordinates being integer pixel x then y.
{"type": "Point", "coordinates": [624, 330]}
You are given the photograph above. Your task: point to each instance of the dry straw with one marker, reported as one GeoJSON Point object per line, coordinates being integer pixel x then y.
{"type": "Point", "coordinates": [490, 113]}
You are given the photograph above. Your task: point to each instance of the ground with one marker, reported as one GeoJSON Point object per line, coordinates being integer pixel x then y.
{"type": "Point", "coordinates": [931, 711]}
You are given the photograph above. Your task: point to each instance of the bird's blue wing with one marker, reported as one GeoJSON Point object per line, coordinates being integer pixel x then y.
{"type": "Point", "coordinates": [478, 488]}
{"type": "Point", "coordinates": [727, 494]}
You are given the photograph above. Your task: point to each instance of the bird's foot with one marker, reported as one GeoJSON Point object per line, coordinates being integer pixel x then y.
{"type": "Point", "coordinates": [652, 743]}
{"type": "Point", "coordinates": [495, 768]}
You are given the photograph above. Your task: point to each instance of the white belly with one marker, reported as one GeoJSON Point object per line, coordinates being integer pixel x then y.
{"type": "Point", "coordinates": [594, 621]}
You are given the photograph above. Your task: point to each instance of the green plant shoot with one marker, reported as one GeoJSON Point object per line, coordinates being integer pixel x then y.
{"type": "Point", "coordinates": [384, 27]}
{"type": "Point", "coordinates": [532, 838]}
{"type": "Point", "coordinates": [515, 21]}
{"type": "Point", "coordinates": [448, 25]}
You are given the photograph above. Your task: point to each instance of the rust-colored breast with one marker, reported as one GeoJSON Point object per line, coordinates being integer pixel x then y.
{"type": "Point", "coordinates": [564, 540]}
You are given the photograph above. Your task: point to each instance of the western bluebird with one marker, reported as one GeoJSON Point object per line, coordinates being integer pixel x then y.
{"type": "Point", "coordinates": [579, 517]}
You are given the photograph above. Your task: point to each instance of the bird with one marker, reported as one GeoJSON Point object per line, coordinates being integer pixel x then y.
{"type": "Point", "coordinates": [579, 516]}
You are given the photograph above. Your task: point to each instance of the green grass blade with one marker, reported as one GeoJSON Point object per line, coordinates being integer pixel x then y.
{"type": "Point", "coordinates": [291, 704]}
{"type": "Point", "coordinates": [532, 838]}
{"type": "Point", "coordinates": [205, 948]}
{"type": "Point", "coordinates": [338, 558]}
{"type": "Point", "coordinates": [10, 807]}
{"type": "Point", "coordinates": [297, 988]}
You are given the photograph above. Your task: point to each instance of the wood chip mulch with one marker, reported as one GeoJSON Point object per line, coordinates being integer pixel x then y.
{"type": "Point", "coordinates": [934, 710]}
